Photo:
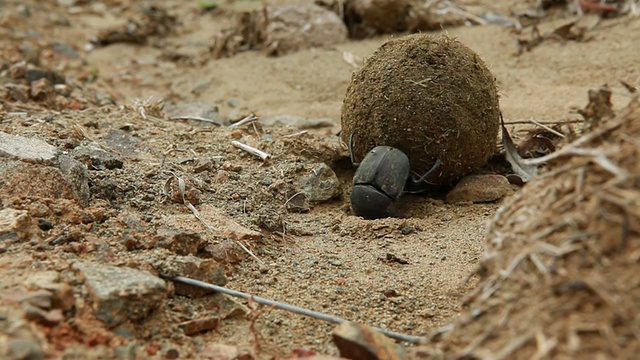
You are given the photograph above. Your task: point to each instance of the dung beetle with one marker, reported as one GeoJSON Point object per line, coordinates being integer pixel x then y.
{"type": "Point", "coordinates": [380, 179]}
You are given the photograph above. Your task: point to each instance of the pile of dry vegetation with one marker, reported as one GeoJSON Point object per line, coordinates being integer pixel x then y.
{"type": "Point", "coordinates": [561, 275]}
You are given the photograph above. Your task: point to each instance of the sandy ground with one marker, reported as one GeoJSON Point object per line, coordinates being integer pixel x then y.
{"type": "Point", "coordinates": [327, 259]}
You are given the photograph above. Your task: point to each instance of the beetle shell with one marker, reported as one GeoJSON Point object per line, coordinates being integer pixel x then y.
{"type": "Point", "coordinates": [379, 181]}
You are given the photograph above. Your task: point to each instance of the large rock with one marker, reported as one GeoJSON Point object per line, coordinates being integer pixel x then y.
{"type": "Point", "coordinates": [31, 167]}
{"type": "Point", "coordinates": [96, 158]}
{"type": "Point", "coordinates": [120, 294]}
{"type": "Point", "coordinates": [27, 149]}
{"type": "Point", "coordinates": [293, 27]}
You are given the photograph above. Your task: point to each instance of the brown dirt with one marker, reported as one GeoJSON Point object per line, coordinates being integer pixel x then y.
{"type": "Point", "coordinates": [325, 259]}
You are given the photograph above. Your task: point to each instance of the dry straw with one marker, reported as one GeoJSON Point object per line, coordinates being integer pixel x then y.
{"type": "Point", "coordinates": [561, 273]}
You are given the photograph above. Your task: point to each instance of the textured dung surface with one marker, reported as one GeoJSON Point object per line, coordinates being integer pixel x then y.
{"type": "Point", "coordinates": [431, 97]}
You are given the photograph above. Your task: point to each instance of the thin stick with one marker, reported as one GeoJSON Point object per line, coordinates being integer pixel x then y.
{"type": "Point", "coordinates": [351, 59]}
{"type": "Point", "coordinates": [543, 122]}
{"type": "Point", "coordinates": [283, 306]}
{"type": "Point", "coordinates": [567, 150]}
{"type": "Point", "coordinates": [247, 119]}
{"type": "Point", "coordinates": [464, 13]}
{"type": "Point", "coordinates": [296, 133]}
{"type": "Point", "coordinates": [197, 118]}
{"type": "Point", "coordinates": [548, 129]}
{"type": "Point", "coordinates": [251, 150]}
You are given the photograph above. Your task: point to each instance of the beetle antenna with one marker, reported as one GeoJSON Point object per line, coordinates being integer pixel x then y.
{"type": "Point", "coordinates": [353, 160]}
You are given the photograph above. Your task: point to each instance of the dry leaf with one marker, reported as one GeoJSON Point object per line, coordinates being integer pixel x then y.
{"type": "Point", "coordinates": [525, 171]}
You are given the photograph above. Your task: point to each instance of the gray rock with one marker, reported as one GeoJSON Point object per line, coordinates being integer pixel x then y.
{"type": "Point", "coordinates": [120, 294]}
{"type": "Point", "coordinates": [24, 349]}
{"type": "Point", "coordinates": [27, 149]}
{"type": "Point", "coordinates": [479, 188]}
{"type": "Point", "coordinates": [321, 184]}
{"type": "Point", "coordinates": [106, 189]}
{"type": "Point", "coordinates": [64, 49]}
{"type": "Point", "coordinates": [126, 351]}
{"type": "Point", "coordinates": [121, 142]}
{"type": "Point", "coordinates": [299, 26]}
{"type": "Point", "coordinates": [96, 158]}
{"type": "Point", "coordinates": [75, 173]}
{"type": "Point", "coordinates": [299, 122]}
{"type": "Point", "coordinates": [35, 74]}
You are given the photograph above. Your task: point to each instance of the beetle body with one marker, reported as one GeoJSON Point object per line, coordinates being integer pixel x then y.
{"type": "Point", "coordinates": [379, 181]}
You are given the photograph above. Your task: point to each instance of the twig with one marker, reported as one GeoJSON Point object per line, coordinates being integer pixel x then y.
{"type": "Point", "coordinates": [512, 346]}
{"type": "Point", "coordinates": [462, 12]}
{"type": "Point", "coordinates": [543, 122]}
{"type": "Point", "coordinates": [149, 109]}
{"type": "Point", "coordinates": [197, 118]}
{"type": "Point", "coordinates": [283, 306]}
{"type": "Point", "coordinates": [251, 150]}
{"type": "Point", "coordinates": [419, 83]}
{"type": "Point", "coordinates": [291, 198]}
{"type": "Point", "coordinates": [548, 129]}
{"type": "Point", "coordinates": [296, 134]}
{"type": "Point", "coordinates": [504, 274]}
{"type": "Point", "coordinates": [544, 345]}
{"type": "Point", "coordinates": [245, 120]}
{"type": "Point", "coordinates": [351, 59]}
{"type": "Point", "coordinates": [567, 150]}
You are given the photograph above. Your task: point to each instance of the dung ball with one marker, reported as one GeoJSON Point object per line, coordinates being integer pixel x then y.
{"type": "Point", "coordinates": [429, 96]}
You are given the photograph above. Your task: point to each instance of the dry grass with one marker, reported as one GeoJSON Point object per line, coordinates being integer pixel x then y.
{"type": "Point", "coordinates": [561, 273]}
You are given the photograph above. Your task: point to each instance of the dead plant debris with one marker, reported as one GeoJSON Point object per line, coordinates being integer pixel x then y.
{"type": "Point", "coordinates": [152, 21]}
{"type": "Point", "coordinates": [599, 108]}
{"type": "Point", "coordinates": [560, 271]}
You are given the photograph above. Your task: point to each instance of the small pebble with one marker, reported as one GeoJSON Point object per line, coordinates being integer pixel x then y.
{"type": "Point", "coordinates": [44, 225]}
{"type": "Point", "coordinates": [479, 188]}
{"type": "Point", "coordinates": [172, 354]}
{"type": "Point", "coordinates": [407, 229]}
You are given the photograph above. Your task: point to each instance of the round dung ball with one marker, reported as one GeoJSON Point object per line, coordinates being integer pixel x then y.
{"type": "Point", "coordinates": [429, 96]}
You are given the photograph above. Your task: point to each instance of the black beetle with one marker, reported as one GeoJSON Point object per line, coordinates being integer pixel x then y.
{"type": "Point", "coordinates": [380, 179]}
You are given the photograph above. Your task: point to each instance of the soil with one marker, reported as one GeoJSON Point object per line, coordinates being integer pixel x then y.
{"type": "Point", "coordinates": [406, 274]}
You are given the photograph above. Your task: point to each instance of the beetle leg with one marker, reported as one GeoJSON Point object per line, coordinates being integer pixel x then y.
{"type": "Point", "coordinates": [351, 156]}
{"type": "Point", "coordinates": [435, 167]}
{"type": "Point", "coordinates": [418, 185]}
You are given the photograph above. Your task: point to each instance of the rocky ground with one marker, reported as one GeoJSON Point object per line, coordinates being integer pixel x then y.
{"type": "Point", "coordinates": [118, 169]}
